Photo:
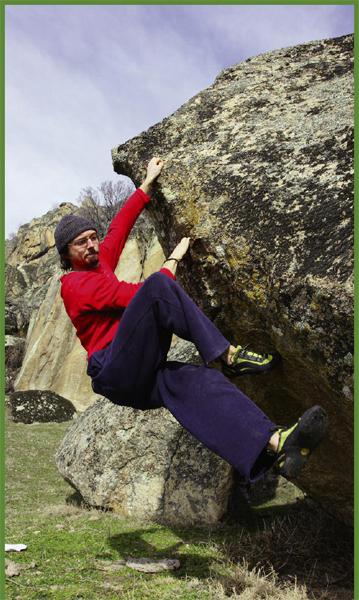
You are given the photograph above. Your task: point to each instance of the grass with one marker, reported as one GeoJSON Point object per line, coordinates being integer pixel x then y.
{"type": "Point", "coordinates": [301, 554]}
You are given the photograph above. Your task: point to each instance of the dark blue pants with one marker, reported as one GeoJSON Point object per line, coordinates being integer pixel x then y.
{"type": "Point", "coordinates": [134, 371]}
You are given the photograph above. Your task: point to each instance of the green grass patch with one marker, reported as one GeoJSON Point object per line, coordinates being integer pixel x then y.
{"type": "Point", "coordinates": [74, 550]}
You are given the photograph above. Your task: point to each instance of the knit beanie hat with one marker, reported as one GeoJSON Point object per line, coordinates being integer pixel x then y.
{"type": "Point", "coordinates": [70, 227]}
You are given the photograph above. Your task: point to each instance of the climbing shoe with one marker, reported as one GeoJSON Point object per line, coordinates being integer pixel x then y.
{"type": "Point", "coordinates": [297, 443]}
{"type": "Point", "coordinates": [245, 362]}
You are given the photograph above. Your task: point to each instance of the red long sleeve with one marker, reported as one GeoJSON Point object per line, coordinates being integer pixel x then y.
{"type": "Point", "coordinates": [120, 228]}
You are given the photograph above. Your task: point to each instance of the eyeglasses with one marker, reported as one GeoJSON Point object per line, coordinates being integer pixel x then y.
{"type": "Point", "coordinates": [82, 242]}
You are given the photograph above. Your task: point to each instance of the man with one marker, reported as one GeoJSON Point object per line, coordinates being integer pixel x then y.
{"type": "Point", "coordinates": [127, 329]}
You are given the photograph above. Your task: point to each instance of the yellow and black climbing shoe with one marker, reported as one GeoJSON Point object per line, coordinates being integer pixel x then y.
{"type": "Point", "coordinates": [297, 443]}
{"type": "Point", "coordinates": [245, 362]}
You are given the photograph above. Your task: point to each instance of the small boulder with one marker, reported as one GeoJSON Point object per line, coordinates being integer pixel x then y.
{"type": "Point", "coordinates": [41, 406]}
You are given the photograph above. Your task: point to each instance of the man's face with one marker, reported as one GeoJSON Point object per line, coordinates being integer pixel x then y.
{"type": "Point", "coordinates": [83, 251]}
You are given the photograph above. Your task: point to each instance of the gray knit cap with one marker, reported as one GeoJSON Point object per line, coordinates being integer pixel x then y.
{"type": "Point", "coordinates": [70, 227]}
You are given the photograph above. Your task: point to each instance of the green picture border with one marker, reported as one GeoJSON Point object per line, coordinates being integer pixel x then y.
{"type": "Point", "coordinates": [2, 228]}
{"type": "Point", "coordinates": [356, 296]}
{"type": "Point", "coordinates": [2, 307]}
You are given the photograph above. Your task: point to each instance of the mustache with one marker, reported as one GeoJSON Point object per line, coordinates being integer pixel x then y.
{"type": "Point", "coordinates": [92, 253]}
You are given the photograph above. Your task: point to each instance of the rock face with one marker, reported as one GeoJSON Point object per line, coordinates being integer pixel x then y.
{"type": "Point", "coordinates": [40, 406]}
{"type": "Point", "coordinates": [259, 173]}
{"type": "Point", "coordinates": [31, 262]}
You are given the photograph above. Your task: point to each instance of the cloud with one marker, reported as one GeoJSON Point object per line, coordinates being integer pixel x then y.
{"type": "Point", "coordinates": [82, 79]}
{"type": "Point", "coordinates": [57, 135]}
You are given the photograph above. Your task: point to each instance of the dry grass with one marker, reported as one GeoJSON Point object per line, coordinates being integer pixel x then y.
{"type": "Point", "coordinates": [253, 584]}
{"type": "Point", "coordinates": [305, 546]}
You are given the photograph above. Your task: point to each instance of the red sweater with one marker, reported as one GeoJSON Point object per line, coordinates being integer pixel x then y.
{"type": "Point", "coordinates": [95, 300]}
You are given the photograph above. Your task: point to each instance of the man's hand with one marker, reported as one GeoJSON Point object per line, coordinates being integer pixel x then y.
{"type": "Point", "coordinates": [181, 249]}
{"type": "Point", "coordinates": [154, 169]}
{"type": "Point", "coordinates": [178, 253]}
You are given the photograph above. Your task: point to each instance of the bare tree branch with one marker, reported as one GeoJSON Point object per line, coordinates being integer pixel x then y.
{"type": "Point", "coordinates": [102, 204]}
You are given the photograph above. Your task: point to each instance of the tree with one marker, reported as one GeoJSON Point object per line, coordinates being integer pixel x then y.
{"type": "Point", "coordinates": [101, 205]}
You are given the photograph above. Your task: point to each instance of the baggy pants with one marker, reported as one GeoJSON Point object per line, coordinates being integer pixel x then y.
{"type": "Point", "coordinates": [133, 370]}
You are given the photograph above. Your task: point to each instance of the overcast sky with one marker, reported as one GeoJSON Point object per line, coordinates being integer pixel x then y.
{"type": "Point", "coordinates": [82, 79]}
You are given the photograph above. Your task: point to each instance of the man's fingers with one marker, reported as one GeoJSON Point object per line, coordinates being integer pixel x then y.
{"type": "Point", "coordinates": [184, 244]}
{"type": "Point", "coordinates": [156, 164]}
{"type": "Point", "coordinates": [156, 161]}
{"type": "Point", "coordinates": [154, 169]}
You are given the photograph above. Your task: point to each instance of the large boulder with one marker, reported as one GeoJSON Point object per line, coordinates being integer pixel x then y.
{"type": "Point", "coordinates": [144, 464]}
{"type": "Point", "coordinates": [259, 173]}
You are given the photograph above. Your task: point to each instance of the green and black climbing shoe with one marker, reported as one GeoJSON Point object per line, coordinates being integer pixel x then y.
{"type": "Point", "coordinates": [245, 362]}
{"type": "Point", "coordinates": [297, 442]}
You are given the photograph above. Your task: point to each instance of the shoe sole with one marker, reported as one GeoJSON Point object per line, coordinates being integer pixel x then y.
{"type": "Point", "coordinates": [259, 370]}
{"type": "Point", "coordinates": [309, 433]}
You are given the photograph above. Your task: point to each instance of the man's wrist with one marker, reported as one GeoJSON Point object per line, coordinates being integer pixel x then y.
{"type": "Point", "coordinates": [145, 186]}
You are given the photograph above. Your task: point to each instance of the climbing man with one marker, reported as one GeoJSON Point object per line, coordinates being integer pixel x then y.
{"type": "Point", "coordinates": [127, 329]}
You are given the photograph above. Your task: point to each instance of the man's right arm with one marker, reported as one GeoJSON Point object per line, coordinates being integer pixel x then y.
{"type": "Point", "coordinates": [120, 227]}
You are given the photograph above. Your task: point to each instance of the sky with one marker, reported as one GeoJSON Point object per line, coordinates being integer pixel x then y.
{"type": "Point", "coordinates": [82, 79]}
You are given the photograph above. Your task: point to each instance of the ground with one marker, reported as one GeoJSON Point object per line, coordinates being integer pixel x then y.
{"type": "Point", "coordinates": [295, 552]}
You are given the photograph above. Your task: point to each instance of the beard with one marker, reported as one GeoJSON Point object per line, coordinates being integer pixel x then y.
{"type": "Point", "coordinates": [92, 259]}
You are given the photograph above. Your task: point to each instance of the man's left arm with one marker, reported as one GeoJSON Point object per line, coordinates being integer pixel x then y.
{"type": "Point", "coordinates": [119, 230]}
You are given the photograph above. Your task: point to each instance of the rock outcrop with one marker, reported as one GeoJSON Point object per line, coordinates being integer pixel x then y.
{"type": "Point", "coordinates": [259, 173]}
